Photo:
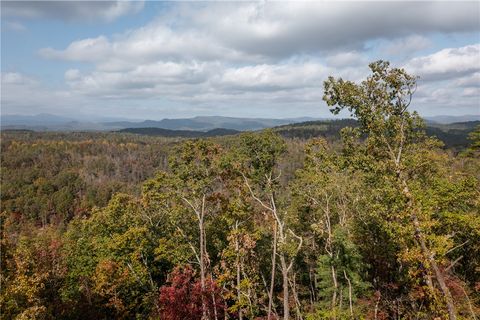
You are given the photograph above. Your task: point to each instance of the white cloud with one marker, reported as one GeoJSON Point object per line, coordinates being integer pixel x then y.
{"type": "Point", "coordinates": [275, 29]}
{"type": "Point", "coordinates": [148, 80]}
{"type": "Point", "coordinates": [15, 26]}
{"type": "Point", "coordinates": [469, 81]}
{"type": "Point", "coordinates": [266, 31]}
{"type": "Point", "coordinates": [70, 10]}
{"type": "Point", "coordinates": [294, 82]}
{"type": "Point", "coordinates": [448, 63]}
{"type": "Point", "coordinates": [90, 49]}
{"type": "Point", "coordinates": [273, 77]}
{"type": "Point", "coordinates": [408, 45]}
{"type": "Point", "coordinates": [473, 92]}
{"type": "Point", "coordinates": [345, 59]}
{"type": "Point", "coordinates": [24, 94]}
{"type": "Point", "coordinates": [16, 78]}
{"type": "Point", "coordinates": [81, 50]}
{"type": "Point", "coordinates": [433, 99]}
{"type": "Point", "coordinates": [148, 44]}
{"type": "Point", "coordinates": [449, 80]}
{"type": "Point", "coordinates": [72, 74]}
{"type": "Point", "coordinates": [260, 54]}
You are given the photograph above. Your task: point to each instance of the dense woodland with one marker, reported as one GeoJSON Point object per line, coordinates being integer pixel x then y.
{"type": "Point", "coordinates": [377, 220]}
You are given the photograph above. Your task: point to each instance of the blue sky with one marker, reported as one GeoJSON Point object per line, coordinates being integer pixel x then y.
{"type": "Point", "coordinates": [252, 59]}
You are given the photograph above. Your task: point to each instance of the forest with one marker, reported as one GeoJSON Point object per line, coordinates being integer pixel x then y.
{"type": "Point", "coordinates": [370, 219]}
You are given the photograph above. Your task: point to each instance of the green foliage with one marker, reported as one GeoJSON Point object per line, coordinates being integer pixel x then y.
{"type": "Point", "coordinates": [401, 167]}
{"type": "Point", "coordinates": [92, 224]}
{"type": "Point", "coordinates": [348, 266]}
{"type": "Point", "coordinates": [473, 149]}
{"type": "Point", "coordinates": [261, 152]}
{"type": "Point", "coordinates": [116, 258]}
{"type": "Point", "coordinates": [474, 137]}
{"type": "Point", "coordinates": [33, 276]}
{"type": "Point", "coordinates": [52, 177]}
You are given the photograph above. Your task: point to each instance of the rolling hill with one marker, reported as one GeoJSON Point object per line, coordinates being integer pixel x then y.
{"type": "Point", "coordinates": [180, 133]}
{"type": "Point", "coordinates": [454, 135]}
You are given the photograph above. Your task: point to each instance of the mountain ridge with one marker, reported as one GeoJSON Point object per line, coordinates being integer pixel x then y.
{"type": "Point", "coordinates": [50, 122]}
{"type": "Point", "coordinates": [47, 122]}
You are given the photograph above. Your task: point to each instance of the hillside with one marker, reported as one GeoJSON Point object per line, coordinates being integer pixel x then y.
{"type": "Point", "coordinates": [454, 135]}
{"type": "Point", "coordinates": [206, 123]}
{"type": "Point", "coordinates": [49, 122]}
{"type": "Point", "coordinates": [179, 133]}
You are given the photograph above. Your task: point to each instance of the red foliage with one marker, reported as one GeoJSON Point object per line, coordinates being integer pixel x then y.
{"type": "Point", "coordinates": [182, 299]}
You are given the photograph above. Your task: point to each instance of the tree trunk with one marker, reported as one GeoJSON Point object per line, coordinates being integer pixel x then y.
{"type": "Point", "coordinates": [202, 265]}
{"type": "Point", "coordinates": [428, 254]}
{"type": "Point", "coordinates": [298, 305]}
{"type": "Point", "coordinates": [214, 306]}
{"type": "Point", "coordinates": [334, 296]}
{"type": "Point", "coordinates": [286, 306]}
{"type": "Point", "coordinates": [349, 293]}
{"type": "Point", "coordinates": [376, 306]}
{"type": "Point", "coordinates": [272, 280]}
{"type": "Point", "coordinates": [237, 249]}
{"type": "Point", "coordinates": [312, 285]}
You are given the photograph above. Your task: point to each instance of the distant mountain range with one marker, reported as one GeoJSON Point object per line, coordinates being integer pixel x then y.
{"type": "Point", "coordinates": [180, 133]}
{"type": "Point", "coordinates": [43, 119]}
{"type": "Point", "coordinates": [453, 135]}
{"type": "Point", "coordinates": [208, 123]}
{"type": "Point", "coordinates": [49, 122]}
{"type": "Point", "coordinates": [452, 119]}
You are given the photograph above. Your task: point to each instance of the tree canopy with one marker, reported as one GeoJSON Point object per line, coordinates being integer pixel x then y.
{"type": "Point", "coordinates": [377, 220]}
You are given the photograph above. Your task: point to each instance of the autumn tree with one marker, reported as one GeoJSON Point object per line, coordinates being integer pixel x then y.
{"type": "Point", "coordinates": [186, 298]}
{"type": "Point", "coordinates": [33, 275]}
{"type": "Point", "coordinates": [397, 154]}
{"type": "Point", "coordinates": [192, 188]}
{"type": "Point", "coordinates": [237, 268]}
{"type": "Point", "coordinates": [261, 154]}
{"type": "Point", "coordinates": [115, 259]}
{"type": "Point", "coordinates": [326, 203]}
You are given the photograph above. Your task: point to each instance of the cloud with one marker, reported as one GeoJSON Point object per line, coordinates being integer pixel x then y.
{"type": "Point", "coordinates": [70, 10]}
{"type": "Point", "coordinates": [434, 99]}
{"type": "Point", "coordinates": [148, 44]}
{"type": "Point", "coordinates": [280, 30]}
{"type": "Point", "coordinates": [273, 77]}
{"type": "Point", "coordinates": [469, 81]}
{"type": "Point", "coordinates": [15, 78]}
{"type": "Point", "coordinates": [24, 94]}
{"type": "Point", "coordinates": [15, 26]}
{"type": "Point", "coordinates": [446, 64]}
{"type": "Point", "coordinates": [294, 81]}
{"type": "Point", "coordinates": [473, 92]}
{"type": "Point", "coordinates": [449, 80]}
{"type": "Point", "coordinates": [268, 31]}
{"type": "Point", "coordinates": [408, 45]}
{"type": "Point", "coordinates": [72, 74]}
{"type": "Point", "coordinates": [149, 80]}
{"type": "Point", "coordinates": [260, 55]}
{"type": "Point", "coordinates": [349, 58]}
{"type": "Point", "coordinates": [90, 49]}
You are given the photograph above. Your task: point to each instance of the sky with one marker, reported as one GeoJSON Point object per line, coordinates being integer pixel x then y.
{"type": "Point", "coordinates": [155, 60]}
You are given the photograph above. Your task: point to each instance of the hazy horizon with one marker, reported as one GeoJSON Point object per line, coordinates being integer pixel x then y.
{"type": "Point", "coordinates": [106, 119]}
